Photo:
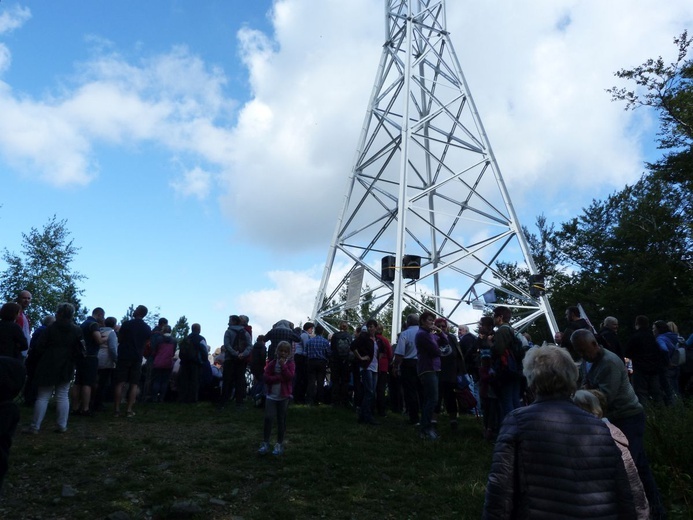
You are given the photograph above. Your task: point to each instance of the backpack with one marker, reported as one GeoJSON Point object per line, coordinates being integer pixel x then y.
{"type": "Point", "coordinates": [678, 356]}
{"type": "Point", "coordinates": [238, 343]}
{"type": "Point", "coordinates": [188, 352]}
{"type": "Point", "coordinates": [343, 349]}
{"type": "Point", "coordinates": [509, 366]}
{"type": "Point", "coordinates": [520, 345]}
{"type": "Point", "coordinates": [164, 355]}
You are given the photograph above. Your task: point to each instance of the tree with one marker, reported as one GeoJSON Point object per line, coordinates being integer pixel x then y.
{"type": "Point", "coordinates": [181, 329]}
{"type": "Point", "coordinates": [43, 269]}
{"type": "Point", "coordinates": [668, 89]}
{"type": "Point", "coordinates": [151, 319]}
{"type": "Point", "coordinates": [632, 253]}
{"type": "Point", "coordinates": [547, 258]}
{"type": "Point", "coordinates": [660, 203]}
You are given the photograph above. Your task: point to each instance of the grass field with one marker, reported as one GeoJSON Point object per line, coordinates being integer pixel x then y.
{"type": "Point", "coordinates": [192, 461]}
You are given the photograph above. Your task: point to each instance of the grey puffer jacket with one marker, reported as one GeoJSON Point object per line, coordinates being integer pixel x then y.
{"type": "Point", "coordinates": [554, 461]}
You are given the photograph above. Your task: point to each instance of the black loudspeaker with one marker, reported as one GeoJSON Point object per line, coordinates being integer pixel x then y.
{"type": "Point", "coordinates": [411, 267]}
{"type": "Point", "coordinates": [387, 271]}
{"type": "Point", "coordinates": [536, 285]}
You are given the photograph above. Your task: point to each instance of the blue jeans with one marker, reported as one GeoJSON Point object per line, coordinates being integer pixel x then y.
{"type": "Point", "coordinates": [159, 387]}
{"type": "Point", "coordinates": [508, 397]}
{"type": "Point", "coordinates": [429, 382]}
{"type": "Point", "coordinates": [368, 380]}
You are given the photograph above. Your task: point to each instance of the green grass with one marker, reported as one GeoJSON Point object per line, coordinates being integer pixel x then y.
{"type": "Point", "coordinates": [170, 453]}
{"type": "Point", "coordinates": [190, 461]}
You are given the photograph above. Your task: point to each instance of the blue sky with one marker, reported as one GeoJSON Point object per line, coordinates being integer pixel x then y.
{"type": "Point", "coordinates": [199, 151]}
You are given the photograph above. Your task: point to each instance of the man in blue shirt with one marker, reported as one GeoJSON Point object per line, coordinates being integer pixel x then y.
{"type": "Point", "coordinates": [405, 367]}
{"type": "Point", "coordinates": [317, 352]}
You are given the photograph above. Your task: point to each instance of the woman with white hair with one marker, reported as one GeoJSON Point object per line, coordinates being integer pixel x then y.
{"type": "Point", "coordinates": [553, 459]}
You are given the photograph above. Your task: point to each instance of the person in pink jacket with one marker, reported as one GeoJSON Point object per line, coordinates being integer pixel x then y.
{"type": "Point", "coordinates": [279, 374]}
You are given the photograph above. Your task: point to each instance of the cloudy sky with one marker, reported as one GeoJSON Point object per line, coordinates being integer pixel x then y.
{"type": "Point", "coordinates": [199, 151]}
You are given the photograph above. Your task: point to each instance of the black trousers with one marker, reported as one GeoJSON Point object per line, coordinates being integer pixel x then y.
{"type": "Point", "coordinates": [234, 380]}
{"type": "Point", "coordinates": [411, 387]}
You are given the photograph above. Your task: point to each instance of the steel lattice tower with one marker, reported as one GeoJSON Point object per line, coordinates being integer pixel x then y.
{"type": "Point", "coordinates": [425, 183]}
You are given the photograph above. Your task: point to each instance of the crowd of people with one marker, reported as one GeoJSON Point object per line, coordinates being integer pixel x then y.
{"type": "Point", "coordinates": [524, 392]}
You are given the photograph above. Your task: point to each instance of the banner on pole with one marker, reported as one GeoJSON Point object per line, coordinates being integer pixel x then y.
{"type": "Point", "coordinates": [354, 288]}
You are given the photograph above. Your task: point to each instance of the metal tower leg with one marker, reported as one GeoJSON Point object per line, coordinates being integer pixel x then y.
{"type": "Point", "coordinates": [424, 182]}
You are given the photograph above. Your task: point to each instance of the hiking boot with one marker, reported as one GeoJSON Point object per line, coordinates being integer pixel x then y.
{"type": "Point", "coordinates": [278, 449]}
{"type": "Point", "coordinates": [264, 448]}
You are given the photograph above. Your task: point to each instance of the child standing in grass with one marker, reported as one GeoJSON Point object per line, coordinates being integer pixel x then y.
{"type": "Point", "coordinates": [279, 374]}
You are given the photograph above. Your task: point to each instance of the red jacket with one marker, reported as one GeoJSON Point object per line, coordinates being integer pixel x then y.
{"type": "Point", "coordinates": [285, 377]}
{"type": "Point", "coordinates": [384, 353]}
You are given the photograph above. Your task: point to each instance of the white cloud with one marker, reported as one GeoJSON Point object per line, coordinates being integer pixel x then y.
{"type": "Point", "coordinates": [173, 99]}
{"type": "Point", "coordinates": [5, 58]}
{"type": "Point", "coordinates": [193, 183]}
{"type": "Point", "coordinates": [292, 298]}
{"type": "Point", "coordinates": [538, 75]}
{"type": "Point", "coordinates": [13, 17]}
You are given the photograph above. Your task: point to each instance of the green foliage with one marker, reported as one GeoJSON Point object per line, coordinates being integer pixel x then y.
{"type": "Point", "coordinates": [43, 269]}
{"type": "Point", "coordinates": [632, 253]}
{"type": "Point", "coordinates": [667, 88]}
{"type": "Point", "coordinates": [671, 457]}
{"type": "Point", "coordinates": [181, 329]}
{"type": "Point", "coordinates": [151, 319]}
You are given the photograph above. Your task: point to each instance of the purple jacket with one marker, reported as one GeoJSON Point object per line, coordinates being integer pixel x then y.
{"type": "Point", "coordinates": [428, 350]}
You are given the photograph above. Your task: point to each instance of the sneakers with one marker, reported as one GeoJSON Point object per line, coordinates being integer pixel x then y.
{"type": "Point", "coordinates": [264, 449]}
{"type": "Point", "coordinates": [429, 435]}
{"type": "Point", "coordinates": [30, 430]}
{"type": "Point", "coordinates": [60, 429]}
{"type": "Point", "coordinates": [278, 450]}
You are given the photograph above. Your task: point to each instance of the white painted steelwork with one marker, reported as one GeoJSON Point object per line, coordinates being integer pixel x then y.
{"type": "Point", "coordinates": [425, 182]}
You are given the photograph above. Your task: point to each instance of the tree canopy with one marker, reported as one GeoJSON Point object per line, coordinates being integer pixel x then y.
{"type": "Point", "coordinates": [631, 254]}
{"type": "Point", "coordinates": [44, 269]}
